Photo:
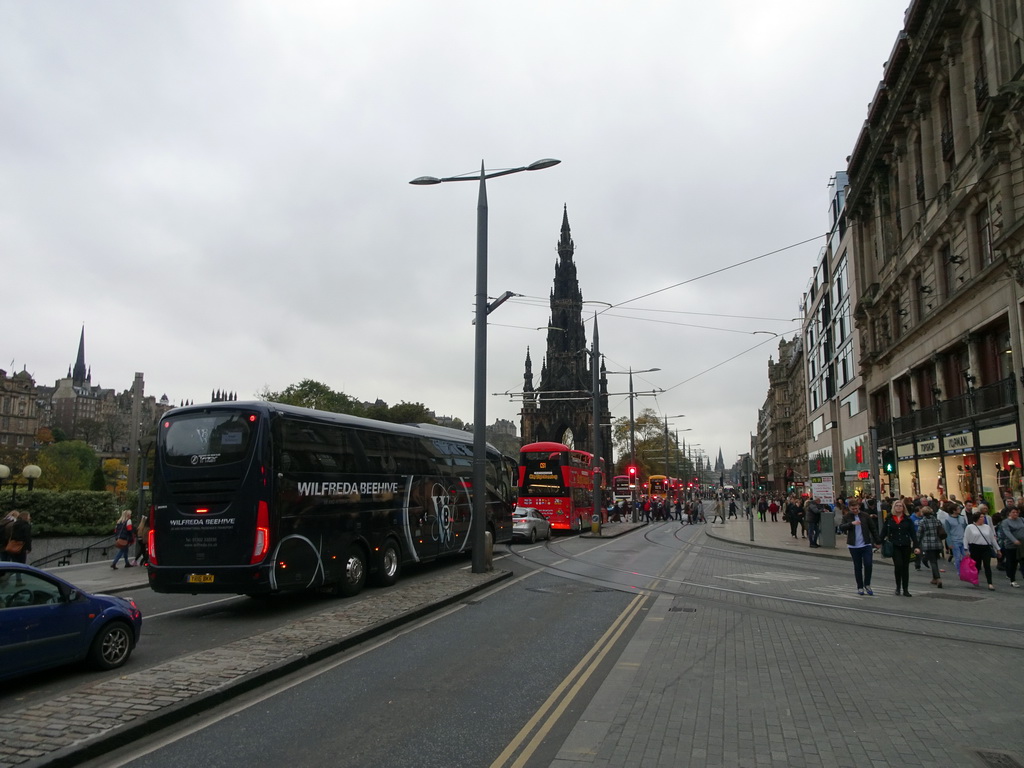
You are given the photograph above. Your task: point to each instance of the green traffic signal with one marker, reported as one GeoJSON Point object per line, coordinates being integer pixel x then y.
{"type": "Point", "coordinates": [888, 461]}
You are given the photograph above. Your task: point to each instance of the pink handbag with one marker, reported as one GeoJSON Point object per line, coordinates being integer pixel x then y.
{"type": "Point", "coordinates": [969, 571]}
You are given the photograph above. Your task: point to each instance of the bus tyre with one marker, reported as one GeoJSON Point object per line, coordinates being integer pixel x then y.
{"type": "Point", "coordinates": [112, 646]}
{"type": "Point", "coordinates": [389, 566]}
{"type": "Point", "coordinates": [353, 578]}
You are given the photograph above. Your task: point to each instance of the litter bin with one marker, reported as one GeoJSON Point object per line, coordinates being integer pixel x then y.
{"type": "Point", "coordinates": [595, 524]}
{"type": "Point", "coordinates": [827, 536]}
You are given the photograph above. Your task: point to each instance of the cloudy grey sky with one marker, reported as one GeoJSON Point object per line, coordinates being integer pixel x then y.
{"type": "Point", "coordinates": [219, 190]}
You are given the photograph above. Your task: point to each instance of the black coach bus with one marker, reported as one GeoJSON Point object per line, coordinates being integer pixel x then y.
{"type": "Point", "coordinates": [256, 498]}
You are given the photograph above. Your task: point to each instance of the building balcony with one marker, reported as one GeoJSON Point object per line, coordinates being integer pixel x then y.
{"type": "Point", "coordinates": [989, 401]}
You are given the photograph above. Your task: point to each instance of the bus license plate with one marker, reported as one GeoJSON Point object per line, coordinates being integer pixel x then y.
{"type": "Point", "coordinates": [200, 578]}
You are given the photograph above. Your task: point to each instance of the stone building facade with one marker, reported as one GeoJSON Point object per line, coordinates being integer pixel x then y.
{"type": "Point", "coordinates": [936, 213]}
{"type": "Point", "coordinates": [840, 448]}
{"type": "Point", "coordinates": [19, 413]}
{"type": "Point", "coordinates": [782, 422]}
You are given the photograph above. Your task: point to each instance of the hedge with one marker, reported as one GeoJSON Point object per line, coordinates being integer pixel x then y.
{"type": "Point", "coordinates": [70, 513]}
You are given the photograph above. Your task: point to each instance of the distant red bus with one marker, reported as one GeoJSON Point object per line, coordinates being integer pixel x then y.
{"type": "Point", "coordinates": [558, 482]}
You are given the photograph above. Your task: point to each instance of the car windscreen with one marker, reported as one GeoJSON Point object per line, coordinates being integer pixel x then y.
{"type": "Point", "coordinates": [207, 439]}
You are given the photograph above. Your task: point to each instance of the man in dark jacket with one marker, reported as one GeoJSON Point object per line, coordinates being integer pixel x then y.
{"type": "Point", "coordinates": [812, 513]}
{"type": "Point", "coordinates": [862, 537]}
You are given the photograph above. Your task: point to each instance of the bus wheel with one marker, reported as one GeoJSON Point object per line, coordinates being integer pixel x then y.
{"type": "Point", "coordinates": [354, 577]}
{"type": "Point", "coordinates": [389, 565]}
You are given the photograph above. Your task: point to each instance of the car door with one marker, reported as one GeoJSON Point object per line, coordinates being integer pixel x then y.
{"type": "Point", "coordinates": [39, 627]}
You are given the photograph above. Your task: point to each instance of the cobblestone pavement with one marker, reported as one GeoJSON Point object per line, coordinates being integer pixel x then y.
{"type": "Point", "coordinates": [718, 678]}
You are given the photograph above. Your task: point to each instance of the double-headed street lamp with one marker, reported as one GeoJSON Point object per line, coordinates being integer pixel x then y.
{"type": "Point", "coordinates": [632, 428]}
{"type": "Point", "coordinates": [31, 473]}
{"type": "Point", "coordinates": [478, 524]}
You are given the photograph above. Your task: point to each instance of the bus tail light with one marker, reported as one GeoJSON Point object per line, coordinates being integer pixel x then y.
{"type": "Point", "coordinates": [151, 538]}
{"type": "Point", "coordinates": [261, 543]}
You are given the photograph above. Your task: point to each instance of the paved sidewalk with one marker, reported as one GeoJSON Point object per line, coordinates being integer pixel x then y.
{"type": "Point", "coordinates": [772, 536]}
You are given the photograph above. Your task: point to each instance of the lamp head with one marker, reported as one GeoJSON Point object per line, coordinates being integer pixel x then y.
{"type": "Point", "coordinates": [538, 165]}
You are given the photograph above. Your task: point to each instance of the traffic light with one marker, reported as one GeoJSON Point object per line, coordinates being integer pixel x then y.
{"type": "Point", "coordinates": [631, 470]}
{"type": "Point", "coordinates": [888, 461]}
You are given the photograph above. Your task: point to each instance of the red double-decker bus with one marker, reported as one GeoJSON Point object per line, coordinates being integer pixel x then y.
{"type": "Point", "coordinates": [558, 482]}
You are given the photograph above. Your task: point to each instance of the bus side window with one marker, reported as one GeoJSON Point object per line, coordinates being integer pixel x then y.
{"type": "Point", "coordinates": [407, 456]}
{"type": "Point", "coordinates": [307, 447]}
{"type": "Point", "coordinates": [375, 448]}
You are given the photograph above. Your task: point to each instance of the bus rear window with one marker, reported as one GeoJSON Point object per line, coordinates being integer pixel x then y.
{"type": "Point", "coordinates": [207, 439]}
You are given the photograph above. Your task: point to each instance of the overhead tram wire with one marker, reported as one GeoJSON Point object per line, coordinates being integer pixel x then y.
{"type": "Point", "coordinates": [925, 201]}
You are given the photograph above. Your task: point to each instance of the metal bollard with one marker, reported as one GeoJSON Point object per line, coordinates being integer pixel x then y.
{"type": "Point", "coordinates": [595, 524]}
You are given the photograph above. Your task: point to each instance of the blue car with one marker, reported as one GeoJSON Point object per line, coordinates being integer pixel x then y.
{"type": "Point", "coordinates": [46, 622]}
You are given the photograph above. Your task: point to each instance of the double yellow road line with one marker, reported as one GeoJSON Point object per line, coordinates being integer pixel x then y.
{"type": "Point", "coordinates": [537, 728]}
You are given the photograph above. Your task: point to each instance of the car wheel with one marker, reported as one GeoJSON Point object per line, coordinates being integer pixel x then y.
{"type": "Point", "coordinates": [389, 566]}
{"type": "Point", "coordinates": [112, 646]}
{"type": "Point", "coordinates": [533, 535]}
{"type": "Point", "coordinates": [353, 578]}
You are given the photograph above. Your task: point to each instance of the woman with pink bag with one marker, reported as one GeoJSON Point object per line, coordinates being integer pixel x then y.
{"type": "Point", "coordinates": [980, 541]}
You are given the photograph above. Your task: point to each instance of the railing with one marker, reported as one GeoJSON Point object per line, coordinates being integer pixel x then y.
{"type": "Point", "coordinates": [84, 554]}
{"type": "Point", "coordinates": [981, 402]}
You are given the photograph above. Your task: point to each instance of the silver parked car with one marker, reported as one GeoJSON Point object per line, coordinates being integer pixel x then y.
{"type": "Point", "coordinates": [529, 524]}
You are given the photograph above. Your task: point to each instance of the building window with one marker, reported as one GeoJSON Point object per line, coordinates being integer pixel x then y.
{"type": "Point", "coordinates": [844, 365]}
{"type": "Point", "coordinates": [947, 270]}
{"type": "Point", "coordinates": [983, 229]}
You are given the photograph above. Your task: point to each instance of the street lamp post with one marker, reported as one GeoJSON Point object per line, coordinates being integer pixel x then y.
{"type": "Point", "coordinates": [478, 523]}
{"type": "Point", "coordinates": [632, 430]}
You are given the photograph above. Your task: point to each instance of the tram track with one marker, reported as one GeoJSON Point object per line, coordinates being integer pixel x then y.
{"type": "Point", "coordinates": [773, 605]}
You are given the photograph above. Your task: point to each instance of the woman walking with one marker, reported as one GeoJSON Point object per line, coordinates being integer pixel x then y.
{"type": "Point", "coordinates": [141, 543]}
{"type": "Point", "coordinates": [21, 534]}
{"type": "Point", "coordinates": [980, 540]}
{"type": "Point", "coordinates": [930, 538]}
{"type": "Point", "coordinates": [1010, 535]}
{"type": "Point", "coordinates": [123, 532]}
{"type": "Point", "coordinates": [861, 531]}
{"type": "Point", "coordinates": [898, 530]}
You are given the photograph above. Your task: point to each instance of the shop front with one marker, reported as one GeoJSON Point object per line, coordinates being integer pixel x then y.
{"type": "Point", "coordinates": [961, 466]}
{"type": "Point", "coordinates": [930, 474]}
{"type": "Point", "coordinates": [857, 480]}
{"type": "Point", "coordinates": [999, 462]}
{"type": "Point", "coordinates": [906, 480]}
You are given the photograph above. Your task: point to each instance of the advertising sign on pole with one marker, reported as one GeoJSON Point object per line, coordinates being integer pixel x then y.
{"type": "Point", "coordinates": [822, 487]}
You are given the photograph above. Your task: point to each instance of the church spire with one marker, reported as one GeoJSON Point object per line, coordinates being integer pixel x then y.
{"type": "Point", "coordinates": [80, 374]}
{"type": "Point", "coordinates": [566, 247]}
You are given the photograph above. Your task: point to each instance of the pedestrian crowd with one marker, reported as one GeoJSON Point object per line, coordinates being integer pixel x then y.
{"type": "Point", "coordinates": [922, 532]}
